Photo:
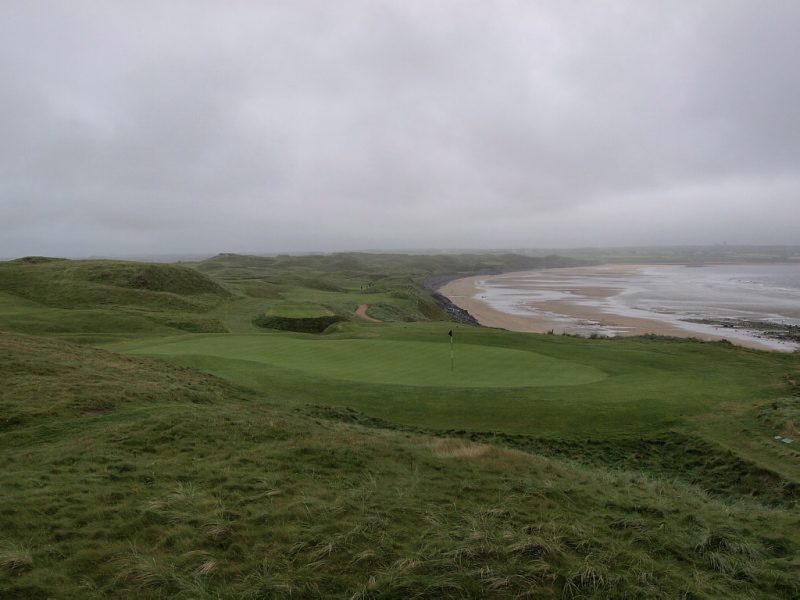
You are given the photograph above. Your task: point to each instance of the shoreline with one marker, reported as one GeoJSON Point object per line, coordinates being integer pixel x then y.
{"type": "Point", "coordinates": [564, 316]}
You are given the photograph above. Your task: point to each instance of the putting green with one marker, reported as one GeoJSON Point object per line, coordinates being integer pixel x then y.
{"type": "Point", "coordinates": [386, 361]}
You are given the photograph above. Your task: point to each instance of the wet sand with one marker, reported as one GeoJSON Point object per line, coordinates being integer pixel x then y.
{"type": "Point", "coordinates": [550, 315]}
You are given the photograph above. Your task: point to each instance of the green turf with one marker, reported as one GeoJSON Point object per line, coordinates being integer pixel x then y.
{"type": "Point", "coordinates": [125, 477]}
{"type": "Point", "coordinates": [356, 463]}
{"type": "Point", "coordinates": [515, 383]}
{"type": "Point", "coordinates": [374, 360]}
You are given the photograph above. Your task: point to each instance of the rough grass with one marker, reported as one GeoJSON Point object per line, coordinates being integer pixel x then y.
{"type": "Point", "coordinates": [47, 379]}
{"type": "Point", "coordinates": [63, 297]}
{"type": "Point", "coordinates": [89, 283]}
{"type": "Point", "coordinates": [297, 324]}
{"type": "Point", "coordinates": [300, 286]}
{"type": "Point", "coordinates": [188, 487]}
{"type": "Point", "coordinates": [350, 269]}
{"type": "Point", "coordinates": [124, 476]}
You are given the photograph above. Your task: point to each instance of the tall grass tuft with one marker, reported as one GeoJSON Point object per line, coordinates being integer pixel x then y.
{"type": "Point", "coordinates": [147, 572]}
{"type": "Point", "coordinates": [15, 557]}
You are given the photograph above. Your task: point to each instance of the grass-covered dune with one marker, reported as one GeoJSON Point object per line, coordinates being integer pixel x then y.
{"type": "Point", "coordinates": [56, 296]}
{"type": "Point", "coordinates": [190, 448]}
{"type": "Point", "coordinates": [338, 266]}
{"type": "Point", "coordinates": [128, 477]}
{"type": "Point", "coordinates": [89, 283]}
{"type": "Point", "coordinates": [389, 285]}
{"type": "Point", "coordinates": [85, 299]}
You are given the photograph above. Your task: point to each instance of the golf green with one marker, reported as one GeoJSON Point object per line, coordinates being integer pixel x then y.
{"type": "Point", "coordinates": [391, 362]}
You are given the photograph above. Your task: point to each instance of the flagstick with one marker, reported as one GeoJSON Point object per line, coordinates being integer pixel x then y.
{"type": "Point", "coordinates": [451, 351]}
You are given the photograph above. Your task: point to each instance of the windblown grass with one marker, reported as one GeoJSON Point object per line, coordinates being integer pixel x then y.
{"type": "Point", "coordinates": [351, 465]}
{"type": "Point", "coordinates": [91, 283]}
{"type": "Point", "coordinates": [193, 488]}
{"type": "Point", "coordinates": [85, 299]}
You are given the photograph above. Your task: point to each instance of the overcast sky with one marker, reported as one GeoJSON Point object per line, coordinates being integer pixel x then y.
{"type": "Point", "coordinates": [298, 125]}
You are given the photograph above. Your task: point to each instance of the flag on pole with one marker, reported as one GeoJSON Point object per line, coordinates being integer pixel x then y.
{"type": "Point", "coordinates": [450, 333]}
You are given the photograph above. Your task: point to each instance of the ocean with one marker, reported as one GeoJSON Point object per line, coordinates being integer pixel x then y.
{"type": "Point", "coordinates": [726, 298]}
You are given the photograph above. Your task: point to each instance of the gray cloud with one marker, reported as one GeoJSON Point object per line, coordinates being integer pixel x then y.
{"type": "Point", "coordinates": [275, 126]}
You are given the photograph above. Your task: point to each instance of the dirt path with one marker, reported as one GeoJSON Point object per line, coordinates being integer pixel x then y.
{"type": "Point", "coordinates": [361, 311]}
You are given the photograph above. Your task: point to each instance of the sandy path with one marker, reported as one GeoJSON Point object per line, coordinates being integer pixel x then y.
{"type": "Point", "coordinates": [465, 293]}
{"type": "Point", "coordinates": [361, 311]}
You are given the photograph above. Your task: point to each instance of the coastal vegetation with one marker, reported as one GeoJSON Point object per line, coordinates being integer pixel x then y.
{"type": "Point", "coordinates": [181, 431]}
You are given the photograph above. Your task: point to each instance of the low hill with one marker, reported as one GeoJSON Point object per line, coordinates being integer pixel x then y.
{"type": "Point", "coordinates": [127, 477]}
{"type": "Point", "coordinates": [90, 283]}
{"type": "Point", "coordinates": [414, 266]}
{"type": "Point", "coordinates": [58, 296]}
{"type": "Point", "coordinates": [393, 287]}
{"type": "Point", "coordinates": [362, 460]}
{"type": "Point", "coordinates": [229, 292]}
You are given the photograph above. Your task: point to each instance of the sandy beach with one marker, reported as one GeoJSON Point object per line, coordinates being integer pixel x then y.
{"type": "Point", "coordinates": [577, 302]}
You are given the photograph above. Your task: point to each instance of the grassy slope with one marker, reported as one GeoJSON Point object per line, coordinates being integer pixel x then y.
{"type": "Point", "coordinates": [123, 476]}
{"type": "Point", "coordinates": [311, 286]}
{"type": "Point", "coordinates": [680, 408]}
{"type": "Point", "coordinates": [521, 383]}
{"type": "Point", "coordinates": [65, 297]}
{"type": "Point", "coordinates": [188, 487]}
{"type": "Point", "coordinates": [339, 268]}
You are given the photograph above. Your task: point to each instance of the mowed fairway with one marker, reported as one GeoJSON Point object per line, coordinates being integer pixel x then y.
{"type": "Point", "coordinates": [388, 362]}
{"type": "Point", "coordinates": [500, 381]}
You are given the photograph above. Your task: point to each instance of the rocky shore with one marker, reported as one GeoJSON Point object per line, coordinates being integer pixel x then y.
{"type": "Point", "coordinates": [775, 331]}
{"type": "Point", "coordinates": [456, 313]}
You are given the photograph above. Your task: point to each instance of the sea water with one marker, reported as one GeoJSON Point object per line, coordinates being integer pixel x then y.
{"type": "Point", "coordinates": [768, 292]}
{"type": "Point", "coordinates": [677, 295]}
